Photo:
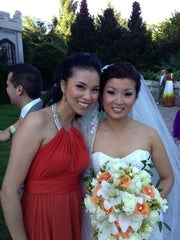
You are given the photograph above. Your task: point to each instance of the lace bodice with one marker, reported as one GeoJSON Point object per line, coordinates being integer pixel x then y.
{"type": "Point", "coordinates": [135, 158]}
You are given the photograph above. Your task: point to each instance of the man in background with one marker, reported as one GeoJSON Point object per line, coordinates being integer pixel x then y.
{"type": "Point", "coordinates": [24, 86]}
{"type": "Point", "coordinates": [161, 85]}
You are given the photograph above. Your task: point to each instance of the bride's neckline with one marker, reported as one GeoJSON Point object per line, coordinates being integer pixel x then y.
{"type": "Point", "coordinates": [133, 152]}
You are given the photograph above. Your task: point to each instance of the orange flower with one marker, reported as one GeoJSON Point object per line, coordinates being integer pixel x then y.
{"type": "Point", "coordinates": [104, 176]}
{"type": "Point", "coordinates": [148, 190]}
{"type": "Point", "coordinates": [142, 209]}
{"type": "Point", "coordinates": [125, 181]}
{"type": "Point", "coordinates": [95, 198]}
{"type": "Point", "coordinates": [108, 212]}
{"type": "Point", "coordinates": [121, 233]}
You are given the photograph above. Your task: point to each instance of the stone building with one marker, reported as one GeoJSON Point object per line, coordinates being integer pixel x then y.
{"type": "Point", "coordinates": [11, 47]}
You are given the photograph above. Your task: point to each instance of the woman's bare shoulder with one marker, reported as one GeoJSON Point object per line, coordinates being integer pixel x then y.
{"type": "Point", "coordinates": [38, 119]}
{"type": "Point", "coordinates": [144, 128]}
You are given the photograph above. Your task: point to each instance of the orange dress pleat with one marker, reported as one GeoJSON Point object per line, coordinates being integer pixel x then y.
{"type": "Point", "coordinates": [52, 197]}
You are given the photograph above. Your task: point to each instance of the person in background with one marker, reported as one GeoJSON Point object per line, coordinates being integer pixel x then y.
{"type": "Point", "coordinates": [168, 95]}
{"type": "Point", "coordinates": [24, 86]}
{"type": "Point", "coordinates": [160, 78]}
{"type": "Point", "coordinates": [47, 156]}
{"type": "Point", "coordinates": [176, 127]}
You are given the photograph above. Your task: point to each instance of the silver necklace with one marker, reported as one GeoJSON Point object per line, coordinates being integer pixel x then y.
{"type": "Point", "coordinates": [56, 117]}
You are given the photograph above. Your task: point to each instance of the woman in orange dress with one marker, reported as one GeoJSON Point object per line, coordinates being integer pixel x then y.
{"type": "Point", "coordinates": [47, 156]}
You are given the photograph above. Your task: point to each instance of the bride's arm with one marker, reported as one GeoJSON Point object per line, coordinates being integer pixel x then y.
{"type": "Point", "coordinates": [162, 163]}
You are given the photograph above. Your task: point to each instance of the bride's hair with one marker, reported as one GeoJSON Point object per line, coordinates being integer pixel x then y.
{"type": "Point", "coordinates": [120, 70]}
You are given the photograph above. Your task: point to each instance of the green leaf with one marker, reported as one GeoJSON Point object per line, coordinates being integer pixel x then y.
{"type": "Point", "coordinates": [93, 173]}
{"type": "Point", "coordinates": [158, 182]}
{"type": "Point", "coordinates": [144, 162]}
{"type": "Point", "coordinates": [85, 179]}
{"type": "Point", "coordinates": [167, 226]}
{"type": "Point", "coordinates": [151, 165]}
{"type": "Point", "coordinates": [160, 225]}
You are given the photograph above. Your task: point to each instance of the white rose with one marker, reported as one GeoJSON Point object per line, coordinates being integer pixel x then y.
{"type": "Point", "coordinates": [147, 233]}
{"type": "Point", "coordinates": [135, 236]}
{"type": "Point", "coordinates": [134, 187]}
{"type": "Point", "coordinates": [157, 194]}
{"type": "Point", "coordinates": [129, 201]}
{"type": "Point", "coordinates": [145, 177]}
{"type": "Point", "coordinates": [153, 218]}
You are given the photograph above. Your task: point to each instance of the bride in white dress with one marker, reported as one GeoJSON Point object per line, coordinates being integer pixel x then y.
{"type": "Point", "coordinates": [119, 136]}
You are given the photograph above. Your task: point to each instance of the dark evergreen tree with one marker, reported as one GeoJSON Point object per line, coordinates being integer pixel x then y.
{"type": "Point", "coordinates": [139, 45]}
{"type": "Point", "coordinates": [83, 36]}
{"type": "Point", "coordinates": [110, 37]}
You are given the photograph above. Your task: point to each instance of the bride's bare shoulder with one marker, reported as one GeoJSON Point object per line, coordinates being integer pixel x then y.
{"type": "Point", "coordinates": [144, 128]}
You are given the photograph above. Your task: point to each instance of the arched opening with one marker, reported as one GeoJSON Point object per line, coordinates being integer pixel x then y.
{"type": "Point", "coordinates": [7, 52]}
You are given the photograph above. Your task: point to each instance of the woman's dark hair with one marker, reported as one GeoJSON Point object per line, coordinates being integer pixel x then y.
{"type": "Point", "coordinates": [78, 61]}
{"type": "Point", "coordinates": [120, 70]}
{"type": "Point", "coordinates": [170, 70]}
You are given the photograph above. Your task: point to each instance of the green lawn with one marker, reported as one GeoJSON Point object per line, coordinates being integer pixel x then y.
{"type": "Point", "coordinates": [8, 115]}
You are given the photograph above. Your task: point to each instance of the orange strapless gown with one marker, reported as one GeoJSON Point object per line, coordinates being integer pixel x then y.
{"type": "Point", "coordinates": [52, 197]}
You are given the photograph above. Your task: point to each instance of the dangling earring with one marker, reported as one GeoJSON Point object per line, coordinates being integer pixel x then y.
{"type": "Point", "coordinates": [64, 98]}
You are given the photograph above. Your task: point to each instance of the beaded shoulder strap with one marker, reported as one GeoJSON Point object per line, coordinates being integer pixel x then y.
{"type": "Point", "coordinates": [55, 116]}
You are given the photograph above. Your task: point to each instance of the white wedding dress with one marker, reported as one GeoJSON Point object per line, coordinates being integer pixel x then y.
{"type": "Point", "coordinates": [145, 111]}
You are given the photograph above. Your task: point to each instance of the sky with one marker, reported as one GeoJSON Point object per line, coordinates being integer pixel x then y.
{"type": "Point", "coordinates": [152, 11]}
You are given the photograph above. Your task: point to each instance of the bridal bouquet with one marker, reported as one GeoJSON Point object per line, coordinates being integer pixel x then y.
{"type": "Point", "coordinates": [122, 203]}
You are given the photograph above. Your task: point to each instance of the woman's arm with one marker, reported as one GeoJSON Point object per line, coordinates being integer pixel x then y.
{"type": "Point", "coordinates": [5, 134]}
{"type": "Point", "coordinates": [163, 165]}
{"type": "Point", "coordinates": [25, 145]}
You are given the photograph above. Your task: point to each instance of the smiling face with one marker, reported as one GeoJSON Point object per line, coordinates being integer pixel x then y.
{"type": "Point", "coordinates": [81, 90]}
{"type": "Point", "coordinates": [119, 96]}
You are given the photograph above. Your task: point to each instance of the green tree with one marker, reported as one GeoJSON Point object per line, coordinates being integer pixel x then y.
{"type": "Point", "coordinates": [55, 37]}
{"type": "Point", "coordinates": [110, 42]}
{"type": "Point", "coordinates": [140, 48]}
{"type": "Point", "coordinates": [47, 58]}
{"type": "Point", "coordinates": [66, 17]}
{"type": "Point", "coordinates": [34, 31]}
{"type": "Point", "coordinates": [166, 37]}
{"type": "Point", "coordinates": [83, 36]}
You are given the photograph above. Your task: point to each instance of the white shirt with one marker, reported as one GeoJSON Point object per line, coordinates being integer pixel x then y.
{"type": "Point", "coordinates": [26, 108]}
{"type": "Point", "coordinates": [162, 77]}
